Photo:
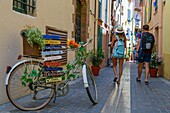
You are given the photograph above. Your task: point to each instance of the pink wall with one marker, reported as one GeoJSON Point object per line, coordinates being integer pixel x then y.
{"type": "Point", "coordinates": [156, 25]}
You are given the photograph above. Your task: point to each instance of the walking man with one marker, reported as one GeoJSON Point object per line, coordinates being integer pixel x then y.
{"type": "Point", "coordinates": [144, 51]}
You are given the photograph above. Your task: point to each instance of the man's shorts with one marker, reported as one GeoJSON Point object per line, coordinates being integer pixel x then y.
{"type": "Point", "coordinates": [145, 57]}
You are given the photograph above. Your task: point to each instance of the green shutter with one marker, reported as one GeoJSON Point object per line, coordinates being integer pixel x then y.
{"type": "Point", "coordinates": [99, 43]}
{"type": "Point", "coordinates": [100, 9]}
{"type": "Point", "coordinates": [150, 10]}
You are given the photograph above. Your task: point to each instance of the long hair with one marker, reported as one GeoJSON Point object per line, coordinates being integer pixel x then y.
{"type": "Point", "coordinates": [121, 34]}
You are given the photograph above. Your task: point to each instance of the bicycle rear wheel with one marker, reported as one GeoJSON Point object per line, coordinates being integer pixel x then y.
{"type": "Point", "coordinates": [33, 95]}
{"type": "Point", "coordinates": [92, 88]}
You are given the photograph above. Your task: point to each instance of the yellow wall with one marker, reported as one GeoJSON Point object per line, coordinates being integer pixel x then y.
{"type": "Point", "coordinates": [166, 39]}
{"type": "Point", "coordinates": [166, 66]}
{"type": "Point", "coordinates": [54, 13]}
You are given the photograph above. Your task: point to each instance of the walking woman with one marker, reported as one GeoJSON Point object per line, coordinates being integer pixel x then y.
{"type": "Point", "coordinates": [116, 40]}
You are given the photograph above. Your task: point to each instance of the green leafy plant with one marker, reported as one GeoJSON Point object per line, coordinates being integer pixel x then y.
{"type": "Point", "coordinates": [80, 54]}
{"type": "Point", "coordinates": [126, 56]}
{"type": "Point", "coordinates": [97, 57]}
{"type": "Point", "coordinates": [29, 76]}
{"type": "Point", "coordinates": [34, 35]}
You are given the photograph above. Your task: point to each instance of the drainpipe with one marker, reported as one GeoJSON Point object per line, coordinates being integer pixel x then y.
{"type": "Point", "coordinates": [133, 16]}
{"type": "Point", "coordinates": [94, 40]}
{"type": "Point", "coordinates": [160, 39]}
{"type": "Point", "coordinates": [120, 10]}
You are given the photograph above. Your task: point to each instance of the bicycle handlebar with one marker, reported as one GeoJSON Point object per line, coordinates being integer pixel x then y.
{"type": "Point", "coordinates": [90, 40]}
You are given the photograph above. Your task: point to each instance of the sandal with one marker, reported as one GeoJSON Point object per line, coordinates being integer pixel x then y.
{"type": "Point", "coordinates": [146, 83]}
{"type": "Point", "coordinates": [115, 79]}
{"type": "Point", "coordinates": [118, 83]}
{"type": "Point", "coordinates": [138, 80]}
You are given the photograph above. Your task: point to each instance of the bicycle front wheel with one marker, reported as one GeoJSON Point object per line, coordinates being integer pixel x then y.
{"type": "Point", "coordinates": [32, 95]}
{"type": "Point", "coordinates": [92, 88]}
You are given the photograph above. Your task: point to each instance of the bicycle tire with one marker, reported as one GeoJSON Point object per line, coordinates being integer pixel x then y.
{"type": "Point", "coordinates": [92, 88]}
{"type": "Point", "coordinates": [24, 97]}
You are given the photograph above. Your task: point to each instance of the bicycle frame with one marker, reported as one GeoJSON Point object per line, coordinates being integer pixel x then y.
{"type": "Point", "coordinates": [76, 67]}
{"type": "Point", "coordinates": [84, 74]}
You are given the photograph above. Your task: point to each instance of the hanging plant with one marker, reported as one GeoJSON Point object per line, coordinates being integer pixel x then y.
{"type": "Point", "coordinates": [34, 35]}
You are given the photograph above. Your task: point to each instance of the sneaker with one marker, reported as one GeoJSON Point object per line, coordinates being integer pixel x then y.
{"type": "Point", "coordinates": [146, 83]}
{"type": "Point", "coordinates": [115, 79]}
{"type": "Point", "coordinates": [138, 80]}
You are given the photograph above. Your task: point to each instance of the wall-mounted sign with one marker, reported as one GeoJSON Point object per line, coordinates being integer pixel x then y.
{"type": "Point", "coordinates": [43, 53]}
{"type": "Point", "coordinates": [52, 42]}
{"type": "Point", "coordinates": [52, 58]}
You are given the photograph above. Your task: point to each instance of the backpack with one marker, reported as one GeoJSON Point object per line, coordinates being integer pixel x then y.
{"type": "Point", "coordinates": [147, 41]}
{"type": "Point", "coordinates": [118, 50]}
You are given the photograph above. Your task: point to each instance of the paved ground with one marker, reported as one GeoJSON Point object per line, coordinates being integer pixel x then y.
{"type": "Point", "coordinates": [77, 100]}
{"type": "Point", "coordinates": [129, 97]}
{"type": "Point", "coordinates": [154, 98]}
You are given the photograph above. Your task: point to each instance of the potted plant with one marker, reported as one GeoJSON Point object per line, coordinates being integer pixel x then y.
{"type": "Point", "coordinates": [33, 41]}
{"type": "Point", "coordinates": [154, 63]}
{"type": "Point", "coordinates": [96, 59]}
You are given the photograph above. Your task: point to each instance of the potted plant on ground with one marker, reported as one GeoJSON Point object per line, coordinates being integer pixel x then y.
{"type": "Point", "coordinates": [96, 59]}
{"type": "Point", "coordinates": [33, 41]}
{"type": "Point", "coordinates": [154, 63]}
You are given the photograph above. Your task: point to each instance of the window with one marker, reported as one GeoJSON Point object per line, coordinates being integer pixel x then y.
{"type": "Point", "coordinates": [99, 42]}
{"type": "Point", "coordinates": [129, 15]}
{"type": "Point", "coordinates": [156, 5]}
{"type": "Point", "coordinates": [25, 6]}
{"type": "Point", "coordinates": [149, 10]}
{"type": "Point", "coordinates": [145, 16]}
{"type": "Point", "coordinates": [141, 3]}
{"type": "Point", "coordinates": [78, 22]}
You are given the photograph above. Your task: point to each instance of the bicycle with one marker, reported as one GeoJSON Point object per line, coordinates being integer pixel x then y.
{"type": "Point", "coordinates": [29, 89]}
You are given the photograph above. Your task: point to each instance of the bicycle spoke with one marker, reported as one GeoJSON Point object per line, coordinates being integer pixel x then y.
{"type": "Point", "coordinates": [29, 97]}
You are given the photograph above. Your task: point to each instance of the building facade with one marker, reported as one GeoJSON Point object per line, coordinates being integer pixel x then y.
{"type": "Point", "coordinates": [124, 15]}
{"type": "Point", "coordinates": [155, 14]}
{"type": "Point", "coordinates": [77, 18]}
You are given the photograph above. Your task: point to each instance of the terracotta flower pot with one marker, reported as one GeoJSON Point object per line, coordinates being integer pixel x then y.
{"type": "Point", "coordinates": [95, 70]}
{"type": "Point", "coordinates": [153, 72]}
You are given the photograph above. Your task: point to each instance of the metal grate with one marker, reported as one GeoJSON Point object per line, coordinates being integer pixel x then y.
{"type": "Point", "coordinates": [63, 39]}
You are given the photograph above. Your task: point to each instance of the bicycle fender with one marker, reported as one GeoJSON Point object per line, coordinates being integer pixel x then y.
{"type": "Point", "coordinates": [84, 76]}
{"type": "Point", "coordinates": [13, 67]}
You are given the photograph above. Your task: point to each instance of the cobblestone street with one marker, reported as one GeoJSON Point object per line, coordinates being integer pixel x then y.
{"type": "Point", "coordinates": [129, 97]}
